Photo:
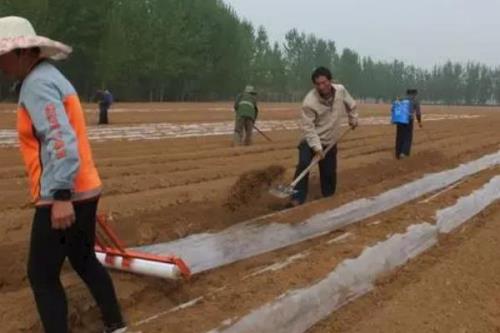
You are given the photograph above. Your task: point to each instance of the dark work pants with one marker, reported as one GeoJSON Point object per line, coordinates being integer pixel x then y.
{"type": "Point", "coordinates": [103, 113]}
{"type": "Point", "coordinates": [327, 172]}
{"type": "Point", "coordinates": [404, 139]}
{"type": "Point", "coordinates": [243, 130]}
{"type": "Point", "coordinates": [48, 250]}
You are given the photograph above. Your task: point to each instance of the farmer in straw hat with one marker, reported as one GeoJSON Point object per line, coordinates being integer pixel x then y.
{"type": "Point", "coordinates": [65, 185]}
{"type": "Point", "coordinates": [246, 114]}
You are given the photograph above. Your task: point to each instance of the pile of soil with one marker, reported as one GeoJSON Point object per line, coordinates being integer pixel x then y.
{"type": "Point", "coordinates": [251, 185]}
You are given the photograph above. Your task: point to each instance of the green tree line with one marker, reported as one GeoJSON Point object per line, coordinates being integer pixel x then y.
{"type": "Point", "coordinates": [180, 50]}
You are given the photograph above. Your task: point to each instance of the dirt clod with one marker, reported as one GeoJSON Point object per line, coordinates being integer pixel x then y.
{"type": "Point", "coordinates": [147, 234]}
{"type": "Point", "coordinates": [251, 185]}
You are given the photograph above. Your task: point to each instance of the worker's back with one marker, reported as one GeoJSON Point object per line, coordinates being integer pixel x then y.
{"type": "Point", "coordinates": [246, 106]}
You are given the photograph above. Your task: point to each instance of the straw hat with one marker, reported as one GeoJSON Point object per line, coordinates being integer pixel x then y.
{"type": "Point", "coordinates": [18, 33]}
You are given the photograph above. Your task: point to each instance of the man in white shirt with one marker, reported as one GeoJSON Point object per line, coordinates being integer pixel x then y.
{"type": "Point", "coordinates": [322, 112]}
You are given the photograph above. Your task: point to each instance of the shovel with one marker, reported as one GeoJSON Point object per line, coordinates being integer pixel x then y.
{"type": "Point", "coordinates": [285, 191]}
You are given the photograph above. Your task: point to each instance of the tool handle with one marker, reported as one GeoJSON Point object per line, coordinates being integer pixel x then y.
{"type": "Point", "coordinates": [305, 172]}
{"type": "Point", "coordinates": [316, 160]}
{"type": "Point", "coordinates": [262, 133]}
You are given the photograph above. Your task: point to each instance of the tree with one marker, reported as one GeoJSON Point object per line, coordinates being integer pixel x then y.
{"type": "Point", "coordinates": [496, 85]}
{"type": "Point", "coordinates": [349, 70]}
{"type": "Point", "coordinates": [160, 50]}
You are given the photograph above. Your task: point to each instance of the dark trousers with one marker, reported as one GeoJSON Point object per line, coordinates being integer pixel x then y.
{"type": "Point", "coordinates": [404, 139]}
{"type": "Point", "coordinates": [327, 172]}
{"type": "Point", "coordinates": [103, 113]}
{"type": "Point", "coordinates": [243, 130]}
{"type": "Point", "coordinates": [48, 250]}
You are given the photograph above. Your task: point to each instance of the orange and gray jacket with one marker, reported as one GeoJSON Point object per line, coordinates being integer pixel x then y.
{"type": "Point", "coordinates": [53, 138]}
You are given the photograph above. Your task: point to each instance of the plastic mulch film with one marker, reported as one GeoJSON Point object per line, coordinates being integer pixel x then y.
{"type": "Point", "coordinates": [466, 207]}
{"type": "Point", "coordinates": [297, 311]}
{"type": "Point", "coordinates": [207, 251]}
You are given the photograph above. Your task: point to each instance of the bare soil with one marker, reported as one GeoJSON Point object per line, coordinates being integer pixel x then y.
{"type": "Point", "coordinates": [163, 190]}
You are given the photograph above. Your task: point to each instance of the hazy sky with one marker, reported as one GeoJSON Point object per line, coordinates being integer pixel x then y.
{"type": "Point", "coordinates": [420, 32]}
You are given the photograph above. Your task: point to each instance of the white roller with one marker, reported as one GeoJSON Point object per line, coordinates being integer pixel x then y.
{"type": "Point", "coordinates": [143, 267]}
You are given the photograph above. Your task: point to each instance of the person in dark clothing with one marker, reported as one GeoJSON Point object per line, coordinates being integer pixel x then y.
{"type": "Point", "coordinates": [404, 132]}
{"type": "Point", "coordinates": [48, 250]}
{"type": "Point", "coordinates": [247, 112]}
{"type": "Point", "coordinates": [105, 102]}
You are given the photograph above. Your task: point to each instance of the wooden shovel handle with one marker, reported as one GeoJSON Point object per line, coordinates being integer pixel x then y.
{"type": "Point", "coordinates": [316, 160]}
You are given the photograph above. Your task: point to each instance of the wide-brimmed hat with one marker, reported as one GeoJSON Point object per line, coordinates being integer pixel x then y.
{"type": "Point", "coordinates": [250, 90]}
{"type": "Point", "coordinates": [18, 33]}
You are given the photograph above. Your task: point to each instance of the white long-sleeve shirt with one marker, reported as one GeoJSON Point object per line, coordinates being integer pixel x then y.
{"type": "Point", "coordinates": [321, 119]}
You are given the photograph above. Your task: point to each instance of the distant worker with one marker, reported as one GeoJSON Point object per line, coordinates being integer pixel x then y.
{"type": "Point", "coordinates": [403, 113]}
{"type": "Point", "coordinates": [322, 112]}
{"type": "Point", "coordinates": [246, 111]}
{"type": "Point", "coordinates": [105, 101]}
{"type": "Point", "coordinates": [65, 185]}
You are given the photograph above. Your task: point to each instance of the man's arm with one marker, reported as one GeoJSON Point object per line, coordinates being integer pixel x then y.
{"type": "Point", "coordinates": [109, 98]}
{"type": "Point", "coordinates": [418, 113]}
{"type": "Point", "coordinates": [351, 109]}
{"type": "Point", "coordinates": [308, 122]}
{"type": "Point", "coordinates": [237, 102]}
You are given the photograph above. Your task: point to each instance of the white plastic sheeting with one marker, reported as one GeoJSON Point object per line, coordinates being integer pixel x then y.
{"type": "Point", "coordinates": [297, 311]}
{"type": "Point", "coordinates": [435, 195]}
{"type": "Point", "coordinates": [279, 265]}
{"type": "Point", "coordinates": [158, 131]}
{"type": "Point", "coordinates": [452, 217]}
{"type": "Point", "coordinates": [183, 306]}
{"type": "Point", "coordinates": [207, 251]}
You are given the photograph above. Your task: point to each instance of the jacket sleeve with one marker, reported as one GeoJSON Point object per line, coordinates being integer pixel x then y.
{"type": "Point", "coordinates": [44, 105]}
{"type": "Point", "coordinates": [350, 106]}
{"type": "Point", "coordinates": [308, 121]}
{"type": "Point", "coordinates": [418, 113]}
{"type": "Point", "coordinates": [256, 111]}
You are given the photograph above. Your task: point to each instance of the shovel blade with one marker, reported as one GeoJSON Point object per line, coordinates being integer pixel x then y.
{"type": "Point", "coordinates": [282, 191]}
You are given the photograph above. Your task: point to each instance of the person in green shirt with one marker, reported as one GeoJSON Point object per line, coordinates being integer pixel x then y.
{"type": "Point", "coordinates": [246, 111]}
